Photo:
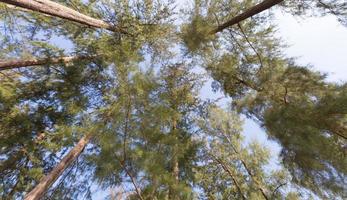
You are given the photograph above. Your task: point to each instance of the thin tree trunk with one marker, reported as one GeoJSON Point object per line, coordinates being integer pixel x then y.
{"type": "Point", "coordinates": [49, 179]}
{"type": "Point", "coordinates": [54, 9]}
{"type": "Point", "coordinates": [11, 64]}
{"type": "Point", "coordinates": [260, 187]}
{"type": "Point", "coordinates": [255, 180]}
{"type": "Point", "coordinates": [266, 4]}
{"type": "Point", "coordinates": [175, 167]}
{"type": "Point", "coordinates": [227, 170]}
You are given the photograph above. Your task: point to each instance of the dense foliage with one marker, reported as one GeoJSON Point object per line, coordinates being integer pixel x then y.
{"type": "Point", "coordinates": [138, 95]}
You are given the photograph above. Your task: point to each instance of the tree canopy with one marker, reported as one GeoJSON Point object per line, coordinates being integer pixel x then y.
{"type": "Point", "coordinates": [117, 84]}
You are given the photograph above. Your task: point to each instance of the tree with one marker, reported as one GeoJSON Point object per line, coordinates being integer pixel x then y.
{"type": "Point", "coordinates": [49, 179]}
{"type": "Point", "coordinates": [11, 64]}
{"type": "Point", "coordinates": [264, 5]}
{"type": "Point", "coordinates": [254, 72]}
{"type": "Point", "coordinates": [83, 44]}
{"type": "Point", "coordinates": [139, 97]}
{"type": "Point", "coordinates": [58, 10]}
{"type": "Point", "coordinates": [319, 8]}
{"type": "Point", "coordinates": [289, 106]}
{"type": "Point", "coordinates": [36, 123]}
{"type": "Point", "coordinates": [245, 165]}
{"type": "Point", "coordinates": [158, 121]}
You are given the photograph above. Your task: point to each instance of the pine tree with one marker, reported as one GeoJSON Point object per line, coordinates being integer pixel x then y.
{"type": "Point", "coordinates": [35, 124]}
{"type": "Point", "coordinates": [48, 180]}
{"type": "Point", "coordinates": [285, 98]}
{"type": "Point", "coordinates": [11, 64]}
{"type": "Point", "coordinates": [337, 8]}
{"type": "Point", "coordinates": [244, 165]}
{"type": "Point", "coordinates": [58, 10]}
{"type": "Point", "coordinates": [139, 99]}
{"type": "Point", "coordinates": [265, 5]}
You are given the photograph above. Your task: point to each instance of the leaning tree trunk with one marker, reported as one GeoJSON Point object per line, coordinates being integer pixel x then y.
{"type": "Point", "coordinates": [12, 64]}
{"type": "Point", "coordinates": [247, 14]}
{"type": "Point", "coordinates": [49, 179]}
{"type": "Point", "coordinates": [54, 9]}
{"type": "Point", "coordinates": [249, 172]}
{"type": "Point", "coordinates": [231, 175]}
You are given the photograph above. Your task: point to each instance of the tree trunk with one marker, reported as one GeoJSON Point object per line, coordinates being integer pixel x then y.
{"type": "Point", "coordinates": [12, 64]}
{"type": "Point", "coordinates": [49, 179]}
{"type": "Point", "coordinates": [248, 13]}
{"type": "Point", "coordinates": [249, 172]}
{"type": "Point", "coordinates": [175, 166]}
{"type": "Point", "coordinates": [233, 178]}
{"type": "Point", "coordinates": [54, 9]}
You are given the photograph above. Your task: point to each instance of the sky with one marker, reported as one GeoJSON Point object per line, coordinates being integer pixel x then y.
{"type": "Point", "coordinates": [321, 42]}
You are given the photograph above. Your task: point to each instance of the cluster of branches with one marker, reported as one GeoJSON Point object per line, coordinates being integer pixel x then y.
{"type": "Point", "coordinates": [270, 89]}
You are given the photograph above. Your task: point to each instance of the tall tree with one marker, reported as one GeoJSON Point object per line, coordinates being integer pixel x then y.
{"type": "Point", "coordinates": [46, 104]}
{"type": "Point", "coordinates": [58, 10]}
{"type": "Point", "coordinates": [12, 64]}
{"type": "Point", "coordinates": [159, 120]}
{"type": "Point", "coordinates": [143, 109]}
{"type": "Point", "coordinates": [41, 188]}
{"type": "Point", "coordinates": [286, 99]}
{"type": "Point", "coordinates": [264, 5]}
{"type": "Point", "coordinates": [225, 152]}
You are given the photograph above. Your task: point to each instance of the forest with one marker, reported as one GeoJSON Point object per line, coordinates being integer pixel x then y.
{"type": "Point", "coordinates": [102, 99]}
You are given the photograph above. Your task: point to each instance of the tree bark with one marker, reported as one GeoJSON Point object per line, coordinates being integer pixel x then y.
{"type": "Point", "coordinates": [266, 4]}
{"type": "Point", "coordinates": [54, 9]}
{"type": "Point", "coordinates": [49, 179]}
{"type": "Point", "coordinates": [12, 64]}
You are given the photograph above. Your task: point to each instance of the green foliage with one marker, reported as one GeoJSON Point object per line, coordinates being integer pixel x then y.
{"type": "Point", "coordinates": [139, 97]}
{"type": "Point", "coordinates": [337, 8]}
{"type": "Point", "coordinates": [231, 170]}
{"type": "Point", "coordinates": [286, 99]}
{"type": "Point", "coordinates": [300, 111]}
{"type": "Point", "coordinates": [196, 34]}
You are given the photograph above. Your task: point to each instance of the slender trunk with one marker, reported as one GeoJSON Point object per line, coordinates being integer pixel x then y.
{"type": "Point", "coordinates": [54, 9]}
{"type": "Point", "coordinates": [249, 172]}
{"type": "Point", "coordinates": [49, 179]}
{"type": "Point", "coordinates": [266, 4]}
{"type": "Point", "coordinates": [12, 64]}
{"type": "Point", "coordinates": [260, 187]}
{"type": "Point", "coordinates": [227, 170]}
{"type": "Point", "coordinates": [174, 162]}
{"type": "Point", "coordinates": [175, 169]}
{"type": "Point", "coordinates": [137, 188]}
{"type": "Point", "coordinates": [175, 173]}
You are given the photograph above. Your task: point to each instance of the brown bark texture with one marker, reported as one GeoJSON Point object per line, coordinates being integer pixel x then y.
{"type": "Point", "coordinates": [55, 9]}
{"type": "Point", "coordinates": [50, 178]}
{"type": "Point", "coordinates": [247, 14]}
{"type": "Point", "coordinates": [12, 64]}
